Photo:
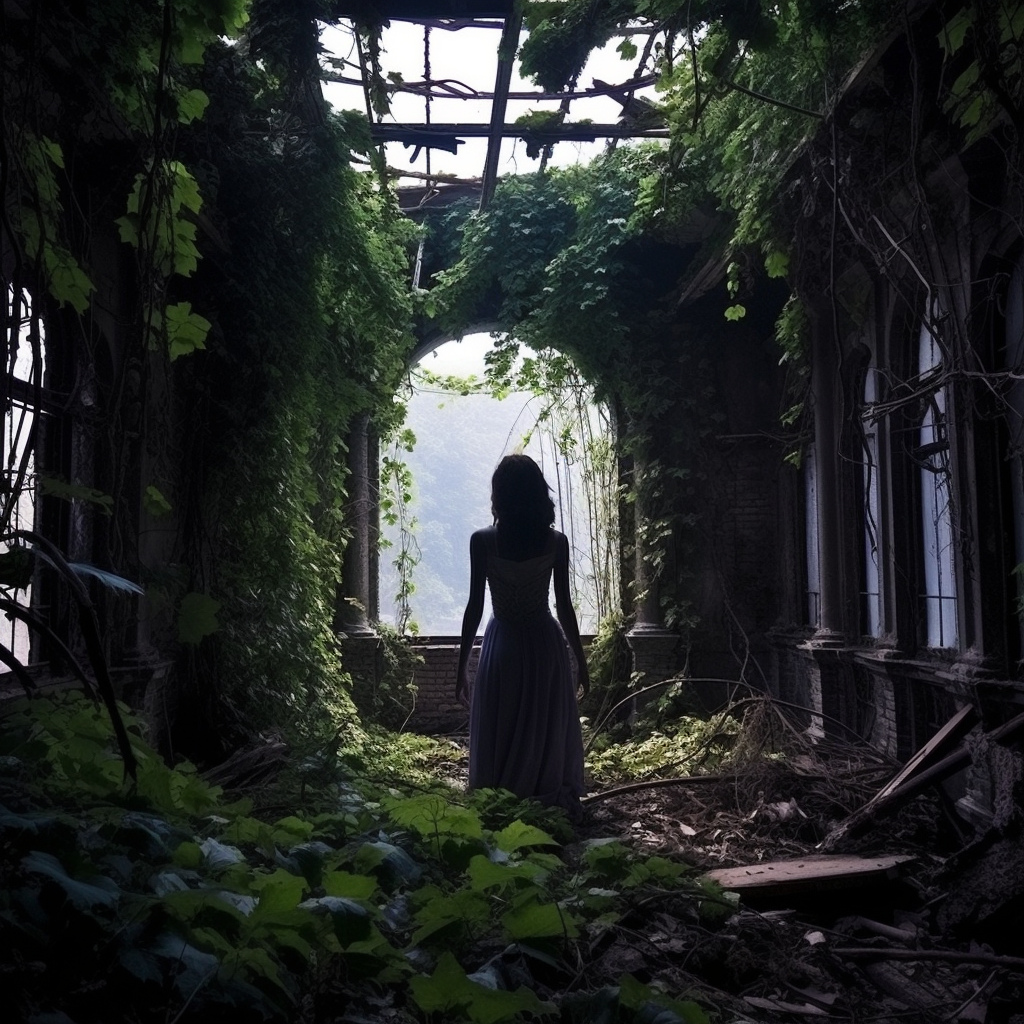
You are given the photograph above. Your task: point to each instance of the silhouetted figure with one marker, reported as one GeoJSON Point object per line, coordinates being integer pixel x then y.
{"type": "Point", "coordinates": [524, 729]}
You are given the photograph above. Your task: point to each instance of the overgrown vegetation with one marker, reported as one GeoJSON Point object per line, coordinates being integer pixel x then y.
{"type": "Point", "coordinates": [269, 306]}
{"type": "Point", "coordinates": [167, 899]}
{"type": "Point", "coordinates": [566, 263]}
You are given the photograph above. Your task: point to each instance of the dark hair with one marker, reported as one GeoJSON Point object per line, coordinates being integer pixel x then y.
{"type": "Point", "coordinates": [521, 499]}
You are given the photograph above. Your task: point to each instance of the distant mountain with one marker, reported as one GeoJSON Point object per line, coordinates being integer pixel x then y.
{"type": "Point", "coordinates": [459, 441]}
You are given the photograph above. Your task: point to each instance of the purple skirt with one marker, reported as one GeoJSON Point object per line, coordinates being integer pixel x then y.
{"type": "Point", "coordinates": [524, 727]}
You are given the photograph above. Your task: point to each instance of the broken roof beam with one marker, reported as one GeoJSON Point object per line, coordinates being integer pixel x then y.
{"type": "Point", "coordinates": [573, 132]}
{"type": "Point", "coordinates": [507, 49]}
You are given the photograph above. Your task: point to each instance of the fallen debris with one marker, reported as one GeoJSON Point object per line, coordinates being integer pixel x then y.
{"type": "Point", "coordinates": [808, 874]}
{"type": "Point", "coordinates": [924, 770]}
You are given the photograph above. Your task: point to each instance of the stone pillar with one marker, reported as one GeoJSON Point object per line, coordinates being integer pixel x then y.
{"type": "Point", "coordinates": [825, 385]}
{"type": "Point", "coordinates": [354, 596]}
{"type": "Point", "coordinates": [373, 522]}
{"type": "Point", "coordinates": [653, 645]}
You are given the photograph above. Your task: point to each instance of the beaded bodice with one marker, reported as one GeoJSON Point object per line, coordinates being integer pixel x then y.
{"type": "Point", "coordinates": [519, 590]}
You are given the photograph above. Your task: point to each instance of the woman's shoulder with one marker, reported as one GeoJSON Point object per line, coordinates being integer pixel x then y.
{"type": "Point", "coordinates": [484, 538]}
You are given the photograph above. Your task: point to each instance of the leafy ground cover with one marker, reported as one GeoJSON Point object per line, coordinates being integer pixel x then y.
{"type": "Point", "coordinates": [165, 900]}
{"type": "Point", "coordinates": [364, 884]}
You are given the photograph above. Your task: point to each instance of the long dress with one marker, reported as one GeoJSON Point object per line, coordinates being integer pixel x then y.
{"type": "Point", "coordinates": [524, 722]}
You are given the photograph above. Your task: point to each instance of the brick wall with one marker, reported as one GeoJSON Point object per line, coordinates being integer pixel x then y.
{"type": "Point", "coordinates": [436, 710]}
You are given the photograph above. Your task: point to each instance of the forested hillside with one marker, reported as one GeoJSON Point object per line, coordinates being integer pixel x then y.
{"type": "Point", "coordinates": [459, 439]}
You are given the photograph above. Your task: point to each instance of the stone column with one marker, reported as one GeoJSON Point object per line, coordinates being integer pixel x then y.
{"type": "Point", "coordinates": [653, 645]}
{"type": "Point", "coordinates": [354, 598]}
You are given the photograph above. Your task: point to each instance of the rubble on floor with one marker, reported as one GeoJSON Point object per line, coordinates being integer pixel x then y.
{"type": "Point", "coordinates": [911, 919]}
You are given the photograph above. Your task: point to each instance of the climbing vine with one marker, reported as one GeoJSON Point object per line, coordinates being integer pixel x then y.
{"type": "Point", "coordinates": [262, 303]}
{"type": "Point", "coordinates": [569, 262]}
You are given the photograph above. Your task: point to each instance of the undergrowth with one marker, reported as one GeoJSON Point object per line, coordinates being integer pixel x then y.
{"type": "Point", "coordinates": [369, 898]}
{"type": "Point", "coordinates": [662, 746]}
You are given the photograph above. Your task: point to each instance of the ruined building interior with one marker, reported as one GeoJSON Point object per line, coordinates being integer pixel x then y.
{"type": "Point", "coordinates": [837, 531]}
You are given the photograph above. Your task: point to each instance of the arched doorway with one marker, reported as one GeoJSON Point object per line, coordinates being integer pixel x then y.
{"type": "Point", "coordinates": [435, 480]}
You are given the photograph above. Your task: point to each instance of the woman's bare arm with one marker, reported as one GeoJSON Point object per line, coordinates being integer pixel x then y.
{"type": "Point", "coordinates": [567, 614]}
{"type": "Point", "coordinates": [474, 609]}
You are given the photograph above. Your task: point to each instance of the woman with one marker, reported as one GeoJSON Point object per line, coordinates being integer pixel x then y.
{"type": "Point", "coordinates": [524, 730]}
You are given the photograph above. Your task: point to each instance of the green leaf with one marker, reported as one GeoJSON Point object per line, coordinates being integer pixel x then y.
{"type": "Point", "coordinates": [192, 105]}
{"type": "Point", "coordinates": [341, 883]}
{"type": "Point", "coordinates": [186, 331]}
{"type": "Point", "coordinates": [736, 312]}
{"type": "Point", "coordinates": [99, 891]}
{"type": "Point", "coordinates": [449, 992]}
{"type": "Point", "coordinates": [776, 264]}
{"type": "Point", "coordinates": [432, 815]}
{"type": "Point", "coordinates": [463, 908]}
{"type": "Point", "coordinates": [953, 34]}
{"type": "Point", "coordinates": [535, 920]}
{"type": "Point", "coordinates": [485, 874]}
{"type": "Point", "coordinates": [192, 48]}
{"type": "Point", "coordinates": [653, 1006]}
{"type": "Point", "coordinates": [56, 487]}
{"type": "Point", "coordinates": [155, 503]}
{"type": "Point", "coordinates": [627, 49]}
{"type": "Point", "coordinates": [67, 282]}
{"type": "Point", "coordinates": [517, 835]}
{"type": "Point", "coordinates": [188, 855]}
{"type": "Point", "coordinates": [197, 617]}
{"type": "Point", "coordinates": [279, 891]}
{"type": "Point", "coordinates": [291, 829]}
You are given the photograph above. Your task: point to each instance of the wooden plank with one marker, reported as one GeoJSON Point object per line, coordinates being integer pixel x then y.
{"type": "Point", "coordinates": [808, 874]}
{"type": "Point", "coordinates": [944, 740]}
{"type": "Point", "coordinates": [918, 767]}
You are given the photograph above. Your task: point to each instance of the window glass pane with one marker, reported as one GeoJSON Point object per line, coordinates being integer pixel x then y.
{"type": "Point", "coordinates": [870, 601]}
{"type": "Point", "coordinates": [939, 584]}
{"type": "Point", "coordinates": [17, 461]}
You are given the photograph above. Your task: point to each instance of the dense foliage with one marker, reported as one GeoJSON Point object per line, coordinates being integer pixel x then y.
{"type": "Point", "coordinates": [313, 327]}
{"type": "Point", "coordinates": [167, 900]}
{"type": "Point", "coordinates": [567, 262]}
{"type": "Point", "coordinates": [261, 304]}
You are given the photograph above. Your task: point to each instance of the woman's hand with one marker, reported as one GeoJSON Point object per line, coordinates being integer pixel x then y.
{"type": "Point", "coordinates": [462, 689]}
{"type": "Point", "coordinates": [583, 679]}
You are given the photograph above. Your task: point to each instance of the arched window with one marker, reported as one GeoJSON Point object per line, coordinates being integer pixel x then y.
{"type": "Point", "coordinates": [938, 582]}
{"type": "Point", "coordinates": [871, 612]}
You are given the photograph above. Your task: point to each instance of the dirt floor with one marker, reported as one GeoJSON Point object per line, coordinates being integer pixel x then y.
{"type": "Point", "coordinates": [929, 932]}
{"type": "Point", "coordinates": [934, 938]}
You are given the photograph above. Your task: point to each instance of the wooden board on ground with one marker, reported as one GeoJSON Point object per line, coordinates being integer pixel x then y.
{"type": "Point", "coordinates": [917, 767]}
{"type": "Point", "coordinates": [808, 874]}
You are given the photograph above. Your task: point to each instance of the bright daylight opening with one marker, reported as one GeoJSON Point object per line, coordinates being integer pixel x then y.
{"type": "Point", "coordinates": [17, 494]}
{"type": "Point", "coordinates": [444, 456]}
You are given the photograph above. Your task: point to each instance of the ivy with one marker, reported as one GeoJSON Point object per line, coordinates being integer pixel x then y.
{"type": "Point", "coordinates": [175, 899]}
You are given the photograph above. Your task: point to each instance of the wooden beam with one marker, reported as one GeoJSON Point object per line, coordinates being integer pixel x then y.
{"type": "Point", "coordinates": [507, 49]}
{"type": "Point", "coordinates": [808, 874]}
{"type": "Point", "coordinates": [571, 132]}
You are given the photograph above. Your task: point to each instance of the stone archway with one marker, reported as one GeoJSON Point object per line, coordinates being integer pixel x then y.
{"type": "Point", "coordinates": [653, 647]}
